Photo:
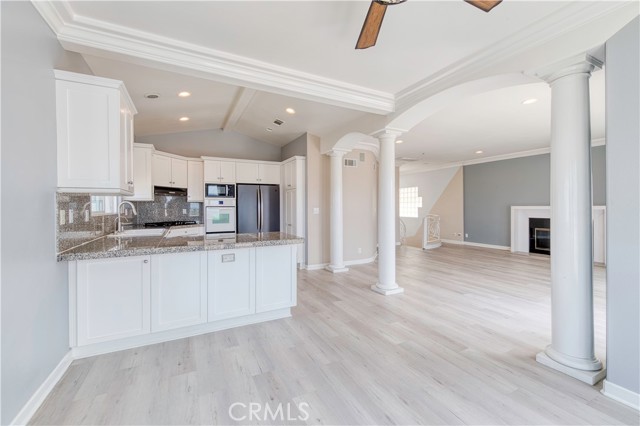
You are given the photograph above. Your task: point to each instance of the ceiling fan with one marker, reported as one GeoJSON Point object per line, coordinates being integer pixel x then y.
{"type": "Point", "coordinates": [373, 21]}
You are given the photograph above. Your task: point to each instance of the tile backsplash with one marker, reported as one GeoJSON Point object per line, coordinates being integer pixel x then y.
{"type": "Point", "coordinates": [76, 224]}
{"type": "Point", "coordinates": [166, 207]}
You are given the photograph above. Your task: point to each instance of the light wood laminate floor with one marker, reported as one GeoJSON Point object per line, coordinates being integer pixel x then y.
{"type": "Point", "coordinates": [458, 347]}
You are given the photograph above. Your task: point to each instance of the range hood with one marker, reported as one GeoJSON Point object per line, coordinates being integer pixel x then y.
{"type": "Point", "coordinates": [165, 190]}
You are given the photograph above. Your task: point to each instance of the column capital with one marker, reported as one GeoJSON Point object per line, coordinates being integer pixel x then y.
{"type": "Point", "coordinates": [579, 64]}
{"type": "Point", "coordinates": [337, 152]}
{"type": "Point", "coordinates": [387, 133]}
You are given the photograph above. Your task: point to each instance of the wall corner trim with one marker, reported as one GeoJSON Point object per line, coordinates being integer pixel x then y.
{"type": "Point", "coordinates": [620, 394]}
{"type": "Point", "coordinates": [38, 397]}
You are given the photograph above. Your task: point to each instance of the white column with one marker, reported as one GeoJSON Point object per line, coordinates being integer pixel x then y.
{"type": "Point", "coordinates": [387, 216]}
{"type": "Point", "coordinates": [572, 335]}
{"type": "Point", "coordinates": [336, 225]}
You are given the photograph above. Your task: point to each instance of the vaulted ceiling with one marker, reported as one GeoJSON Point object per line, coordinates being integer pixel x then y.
{"type": "Point", "coordinates": [245, 62]}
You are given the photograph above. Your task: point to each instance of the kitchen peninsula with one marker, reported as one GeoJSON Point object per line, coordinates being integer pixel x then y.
{"type": "Point", "coordinates": [133, 289]}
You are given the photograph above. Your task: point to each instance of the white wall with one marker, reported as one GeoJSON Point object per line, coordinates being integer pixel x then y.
{"type": "Point", "coordinates": [623, 209]}
{"type": "Point", "coordinates": [213, 143]}
{"type": "Point", "coordinates": [360, 206]}
{"type": "Point", "coordinates": [34, 285]}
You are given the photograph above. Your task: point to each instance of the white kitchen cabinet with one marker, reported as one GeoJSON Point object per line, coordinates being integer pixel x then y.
{"type": "Point", "coordinates": [142, 176]}
{"type": "Point", "coordinates": [293, 208]}
{"type": "Point", "coordinates": [219, 171]}
{"type": "Point", "coordinates": [112, 299]}
{"type": "Point", "coordinates": [290, 212]}
{"type": "Point", "coordinates": [266, 173]}
{"type": "Point", "coordinates": [195, 181]}
{"type": "Point", "coordinates": [293, 173]}
{"type": "Point", "coordinates": [232, 281]}
{"type": "Point", "coordinates": [94, 119]}
{"type": "Point", "coordinates": [276, 283]}
{"type": "Point", "coordinates": [178, 290]}
{"type": "Point", "coordinates": [169, 172]}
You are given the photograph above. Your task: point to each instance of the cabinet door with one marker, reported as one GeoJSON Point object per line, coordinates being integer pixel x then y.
{"type": "Point", "coordinates": [286, 174]}
{"type": "Point", "coordinates": [290, 212]}
{"type": "Point", "coordinates": [275, 277]}
{"type": "Point", "coordinates": [178, 290]}
{"type": "Point", "coordinates": [143, 186]}
{"type": "Point", "coordinates": [112, 299]}
{"type": "Point", "coordinates": [247, 173]}
{"type": "Point", "coordinates": [231, 283]}
{"type": "Point", "coordinates": [88, 132]}
{"type": "Point", "coordinates": [179, 173]}
{"type": "Point", "coordinates": [161, 170]}
{"type": "Point", "coordinates": [211, 171]}
{"type": "Point", "coordinates": [195, 188]}
{"type": "Point", "coordinates": [126, 148]}
{"type": "Point", "coordinates": [227, 172]}
{"type": "Point", "coordinates": [269, 173]}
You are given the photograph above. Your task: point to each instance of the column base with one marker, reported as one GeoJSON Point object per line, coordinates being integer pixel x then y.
{"type": "Point", "coordinates": [336, 269]}
{"type": "Point", "coordinates": [589, 377]}
{"type": "Point", "coordinates": [387, 291]}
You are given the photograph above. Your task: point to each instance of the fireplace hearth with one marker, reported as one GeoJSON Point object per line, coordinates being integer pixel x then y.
{"type": "Point", "coordinates": [540, 235]}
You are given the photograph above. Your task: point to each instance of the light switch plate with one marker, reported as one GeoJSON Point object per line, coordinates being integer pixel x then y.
{"type": "Point", "coordinates": [316, 210]}
{"type": "Point", "coordinates": [231, 257]}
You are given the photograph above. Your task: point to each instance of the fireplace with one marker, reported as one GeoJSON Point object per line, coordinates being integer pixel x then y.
{"type": "Point", "coordinates": [539, 235]}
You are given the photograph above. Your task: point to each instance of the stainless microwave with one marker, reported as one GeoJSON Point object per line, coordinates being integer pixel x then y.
{"type": "Point", "coordinates": [219, 190]}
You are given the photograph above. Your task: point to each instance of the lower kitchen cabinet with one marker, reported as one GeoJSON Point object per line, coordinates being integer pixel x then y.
{"type": "Point", "coordinates": [178, 290]}
{"type": "Point", "coordinates": [112, 299]}
{"type": "Point", "coordinates": [231, 283]}
{"type": "Point", "coordinates": [275, 278]}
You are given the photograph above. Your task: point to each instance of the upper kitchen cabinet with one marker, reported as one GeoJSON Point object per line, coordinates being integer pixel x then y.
{"type": "Point", "coordinates": [195, 181]}
{"type": "Point", "coordinates": [95, 134]}
{"type": "Point", "coordinates": [142, 173]}
{"type": "Point", "coordinates": [216, 171]}
{"type": "Point", "coordinates": [169, 171]}
{"type": "Point", "coordinates": [254, 172]}
{"type": "Point", "coordinates": [293, 173]}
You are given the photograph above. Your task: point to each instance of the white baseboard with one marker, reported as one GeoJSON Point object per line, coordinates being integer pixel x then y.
{"type": "Point", "coordinates": [361, 261]}
{"type": "Point", "coordinates": [38, 397]}
{"type": "Point", "coordinates": [620, 394]}
{"type": "Point", "coordinates": [317, 266]}
{"type": "Point", "coordinates": [472, 244]}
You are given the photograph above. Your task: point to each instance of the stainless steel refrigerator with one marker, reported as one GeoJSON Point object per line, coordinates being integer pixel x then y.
{"type": "Point", "coordinates": [258, 208]}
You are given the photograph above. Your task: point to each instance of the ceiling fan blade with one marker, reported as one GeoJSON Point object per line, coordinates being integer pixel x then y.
{"type": "Point", "coordinates": [371, 26]}
{"type": "Point", "coordinates": [485, 5]}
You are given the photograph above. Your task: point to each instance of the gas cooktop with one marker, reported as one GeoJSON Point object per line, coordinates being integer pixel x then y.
{"type": "Point", "coordinates": [169, 223]}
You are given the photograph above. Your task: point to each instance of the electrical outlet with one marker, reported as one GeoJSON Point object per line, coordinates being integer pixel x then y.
{"type": "Point", "coordinates": [70, 216]}
{"type": "Point", "coordinates": [184, 211]}
{"type": "Point", "coordinates": [466, 235]}
{"type": "Point", "coordinates": [63, 217]}
{"type": "Point", "coordinates": [359, 250]}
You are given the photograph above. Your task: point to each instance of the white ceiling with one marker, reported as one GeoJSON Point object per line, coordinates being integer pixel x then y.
{"type": "Point", "coordinates": [303, 53]}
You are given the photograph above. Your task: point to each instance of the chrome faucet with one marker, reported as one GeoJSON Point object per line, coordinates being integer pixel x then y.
{"type": "Point", "coordinates": [133, 209]}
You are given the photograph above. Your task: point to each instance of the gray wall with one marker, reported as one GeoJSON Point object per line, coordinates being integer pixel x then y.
{"type": "Point", "coordinates": [34, 286]}
{"type": "Point", "coordinates": [623, 208]}
{"type": "Point", "coordinates": [296, 147]}
{"type": "Point", "coordinates": [490, 189]}
{"type": "Point", "coordinates": [213, 143]}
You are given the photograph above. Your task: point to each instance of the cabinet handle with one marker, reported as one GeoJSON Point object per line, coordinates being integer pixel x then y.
{"type": "Point", "coordinates": [145, 261]}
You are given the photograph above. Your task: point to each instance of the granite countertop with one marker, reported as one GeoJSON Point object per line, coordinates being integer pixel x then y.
{"type": "Point", "coordinates": [109, 246]}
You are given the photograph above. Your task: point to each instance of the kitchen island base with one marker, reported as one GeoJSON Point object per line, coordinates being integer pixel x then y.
{"type": "Point", "coordinates": [125, 302]}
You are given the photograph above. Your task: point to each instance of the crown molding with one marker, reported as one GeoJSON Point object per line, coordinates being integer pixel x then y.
{"type": "Point", "coordinates": [91, 36]}
{"type": "Point", "coordinates": [529, 153]}
{"type": "Point", "coordinates": [567, 19]}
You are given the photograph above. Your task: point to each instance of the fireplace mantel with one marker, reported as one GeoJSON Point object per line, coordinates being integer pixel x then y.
{"type": "Point", "coordinates": [520, 228]}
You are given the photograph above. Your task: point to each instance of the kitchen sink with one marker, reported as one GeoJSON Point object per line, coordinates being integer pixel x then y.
{"type": "Point", "coordinates": [146, 232]}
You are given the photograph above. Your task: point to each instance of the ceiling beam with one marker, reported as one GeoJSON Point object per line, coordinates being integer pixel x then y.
{"type": "Point", "coordinates": [240, 103]}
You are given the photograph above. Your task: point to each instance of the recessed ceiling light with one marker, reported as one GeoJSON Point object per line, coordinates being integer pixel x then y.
{"type": "Point", "coordinates": [269, 129]}
{"type": "Point", "coordinates": [399, 141]}
{"type": "Point", "coordinates": [290, 110]}
{"type": "Point", "coordinates": [529, 101]}
{"type": "Point", "coordinates": [479, 152]}
{"type": "Point", "coordinates": [152, 95]}
{"type": "Point", "coordinates": [184, 94]}
{"type": "Point", "coordinates": [184, 118]}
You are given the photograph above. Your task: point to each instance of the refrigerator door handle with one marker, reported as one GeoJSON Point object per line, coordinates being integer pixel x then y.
{"type": "Point", "coordinates": [258, 210]}
{"type": "Point", "coordinates": [261, 210]}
